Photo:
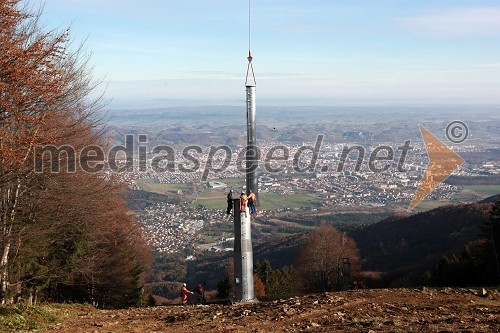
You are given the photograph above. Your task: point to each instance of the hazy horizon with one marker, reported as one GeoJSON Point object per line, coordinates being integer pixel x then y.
{"type": "Point", "coordinates": [160, 103]}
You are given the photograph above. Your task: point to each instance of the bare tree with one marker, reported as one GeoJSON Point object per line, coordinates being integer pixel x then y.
{"type": "Point", "coordinates": [320, 258]}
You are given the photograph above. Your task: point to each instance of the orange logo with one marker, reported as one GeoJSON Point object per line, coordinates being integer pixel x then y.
{"type": "Point", "coordinates": [442, 162]}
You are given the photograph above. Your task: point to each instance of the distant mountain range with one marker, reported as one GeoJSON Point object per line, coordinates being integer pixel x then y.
{"type": "Point", "coordinates": [226, 124]}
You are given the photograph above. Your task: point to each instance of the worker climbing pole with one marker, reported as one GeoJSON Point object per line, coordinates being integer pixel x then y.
{"type": "Point", "coordinates": [243, 252]}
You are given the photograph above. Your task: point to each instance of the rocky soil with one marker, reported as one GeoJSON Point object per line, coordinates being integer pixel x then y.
{"type": "Point", "coordinates": [375, 310]}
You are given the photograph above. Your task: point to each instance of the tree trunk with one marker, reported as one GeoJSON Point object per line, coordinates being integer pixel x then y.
{"type": "Point", "coordinates": [9, 205]}
{"type": "Point", "coordinates": [4, 271]}
{"type": "Point", "coordinates": [29, 300]}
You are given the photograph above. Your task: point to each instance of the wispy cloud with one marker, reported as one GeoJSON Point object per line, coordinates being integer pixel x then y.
{"type": "Point", "coordinates": [457, 22]}
{"type": "Point", "coordinates": [304, 28]}
{"type": "Point", "coordinates": [224, 75]}
{"type": "Point", "coordinates": [284, 75]}
{"type": "Point", "coordinates": [130, 48]}
{"type": "Point", "coordinates": [488, 66]}
{"type": "Point", "coordinates": [200, 74]}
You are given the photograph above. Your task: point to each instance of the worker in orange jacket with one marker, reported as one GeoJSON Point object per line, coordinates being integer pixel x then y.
{"type": "Point", "coordinates": [243, 203]}
{"type": "Point", "coordinates": [184, 294]}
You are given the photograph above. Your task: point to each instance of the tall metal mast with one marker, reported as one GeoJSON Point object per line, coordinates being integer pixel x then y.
{"type": "Point", "coordinates": [243, 252]}
{"type": "Point", "coordinates": [252, 158]}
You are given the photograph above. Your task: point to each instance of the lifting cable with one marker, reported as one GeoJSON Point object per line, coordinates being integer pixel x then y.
{"type": "Point", "coordinates": [250, 66]}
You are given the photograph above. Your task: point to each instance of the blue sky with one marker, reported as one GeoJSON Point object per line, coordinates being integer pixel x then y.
{"type": "Point", "coordinates": [305, 52]}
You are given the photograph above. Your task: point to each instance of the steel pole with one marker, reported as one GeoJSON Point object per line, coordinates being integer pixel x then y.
{"type": "Point", "coordinates": [252, 154]}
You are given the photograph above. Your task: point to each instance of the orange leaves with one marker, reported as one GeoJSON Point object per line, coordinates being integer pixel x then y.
{"type": "Point", "coordinates": [33, 86]}
{"type": "Point", "coordinates": [43, 100]}
{"type": "Point", "coordinates": [258, 286]}
{"type": "Point", "coordinates": [321, 255]}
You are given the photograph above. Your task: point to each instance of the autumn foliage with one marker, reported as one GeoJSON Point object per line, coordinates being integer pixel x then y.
{"type": "Point", "coordinates": [259, 288]}
{"type": "Point", "coordinates": [63, 236]}
{"type": "Point", "coordinates": [320, 259]}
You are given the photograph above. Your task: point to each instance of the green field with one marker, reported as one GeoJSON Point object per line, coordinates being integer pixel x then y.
{"type": "Point", "coordinates": [426, 205]}
{"type": "Point", "coordinates": [212, 201]}
{"type": "Point", "coordinates": [150, 185]}
{"type": "Point", "coordinates": [233, 182]}
{"type": "Point", "coordinates": [216, 198]}
{"type": "Point", "coordinates": [484, 190]}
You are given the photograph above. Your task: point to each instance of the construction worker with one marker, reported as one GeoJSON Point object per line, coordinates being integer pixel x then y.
{"type": "Point", "coordinates": [201, 295]}
{"type": "Point", "coordinates": [184, 293]}
{"type": "Point", "coordinates": [229, 204]}
{"type": "Point", "coordinates": [252, 201]}
{"type": "Point", "coordinates": [243, 203]}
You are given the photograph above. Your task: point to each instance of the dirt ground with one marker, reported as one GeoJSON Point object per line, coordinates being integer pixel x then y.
{"type": "Point", "coordinates": [375, 310]}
